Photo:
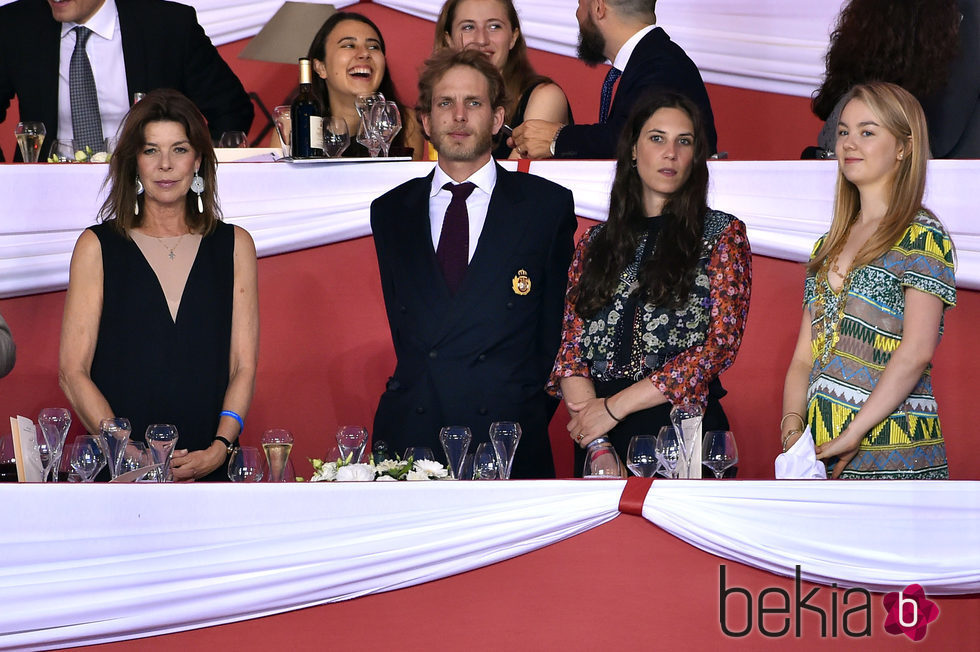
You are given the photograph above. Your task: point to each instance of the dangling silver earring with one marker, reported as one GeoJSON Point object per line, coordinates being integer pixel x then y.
{"type": "Point", "coordinates": [197, 185]}
{"type": "Point", "coordinates": [139, 191]}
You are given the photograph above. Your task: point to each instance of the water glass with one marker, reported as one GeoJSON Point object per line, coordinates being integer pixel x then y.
{"type": "Point", "coordinates": [284, 127]}
{"type": "Point", "coordinates": [719, 451]}
{"type": "Point", "coordinates": [351, 441]}
{"type": "Point", "coordinates": [455, 442]}
{"type": "Point", "coordinates": [485, 462]}
{"type": "Point", "coordinates": [641, 456]}
{"type": "Point", "coordinates": [245, 465]}
{"type": "Point", "coordinates": [505, 436]}
{"type": "Point", "coordinates": [30, 137]}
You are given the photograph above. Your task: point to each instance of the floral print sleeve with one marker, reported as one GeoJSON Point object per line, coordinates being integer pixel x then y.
{"type": "Point", "coordinates": [685, 378]}
{"type": "Point", "coordinates": [570, 361]}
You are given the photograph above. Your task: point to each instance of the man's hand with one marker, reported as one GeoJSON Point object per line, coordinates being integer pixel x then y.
{"type": "Point", "coordinates": [532, 139]}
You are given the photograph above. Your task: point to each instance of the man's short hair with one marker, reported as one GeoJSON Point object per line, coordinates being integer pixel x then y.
{"type": "Point", "coordinates": [443, 61]}
{"type": "Point", "coordinates": [644, 10]}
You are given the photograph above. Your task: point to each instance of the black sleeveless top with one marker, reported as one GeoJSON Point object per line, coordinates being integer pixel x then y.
{"type": "Point", "coordinates": [152, 369]}
{"type": "Point", "coordinates": [500, 150]}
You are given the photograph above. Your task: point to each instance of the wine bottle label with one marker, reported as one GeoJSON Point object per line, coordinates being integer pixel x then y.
{"type": "Point", "coordinates": [316, 132]}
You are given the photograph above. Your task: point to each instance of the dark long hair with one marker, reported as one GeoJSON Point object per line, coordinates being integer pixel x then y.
{"type": "Point", "coordinates": [518, 73]}
{"type": "Point", "coordinates": [318, 51]}
{"type": "Point", "coordinates": [665, 278]}
{"type": "Point", "coordinates": [906, 42]}
{"type": "Point", "coordinates": [161, 105]}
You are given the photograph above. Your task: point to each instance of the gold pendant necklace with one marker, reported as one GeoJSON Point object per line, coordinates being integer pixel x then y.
{"type": "Point", "coordinates": [833, 308]}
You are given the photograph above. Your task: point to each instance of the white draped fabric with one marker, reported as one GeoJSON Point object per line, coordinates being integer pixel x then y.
{"type": "Point", "coordinates": [785, 204]}
{"type": "Point", "coordinates": [767, 45]}
{"type": "Point", "coordinates": [152, 559]}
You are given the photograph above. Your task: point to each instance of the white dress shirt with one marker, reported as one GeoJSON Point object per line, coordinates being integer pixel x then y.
{"type": "Point", "coordinates": [476, 204]}
{"type": "Point", "coordinates": [625, 52]}
{"type": "Point", "coordinates": [105, 55]}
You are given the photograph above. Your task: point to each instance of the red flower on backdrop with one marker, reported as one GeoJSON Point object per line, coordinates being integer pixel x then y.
{"type": "Point", "coordinates": [909, 612]}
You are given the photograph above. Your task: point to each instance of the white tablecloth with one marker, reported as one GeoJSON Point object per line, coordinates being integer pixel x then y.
{"type": "Point", "coordinates": [82, 564]}
{"type": "Point", "coordinates": [785, 204]}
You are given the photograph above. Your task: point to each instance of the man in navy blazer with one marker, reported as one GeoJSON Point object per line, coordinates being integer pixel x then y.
{"type": "Point", "coordinates": [163, 46]}
{"type": "Point", "coordinates": [625, 33]}
{"type": "Point", "coordinates": [481, 352]}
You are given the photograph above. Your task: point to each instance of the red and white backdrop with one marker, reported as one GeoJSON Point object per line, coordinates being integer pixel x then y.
{"type": "Point", "coordinates": [325, 353]}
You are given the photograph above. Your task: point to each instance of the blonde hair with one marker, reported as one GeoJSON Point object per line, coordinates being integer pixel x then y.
{"type": "Point", "coordinates": [900, 113]}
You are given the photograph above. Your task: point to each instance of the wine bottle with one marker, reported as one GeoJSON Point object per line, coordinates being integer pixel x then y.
{"type": "Point", "coordinates": [306, 116]}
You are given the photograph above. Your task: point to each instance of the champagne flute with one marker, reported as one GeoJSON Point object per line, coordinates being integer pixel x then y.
{"type": "Point", "coordinates": [719, 451]}
{"type": "Point", "coordinates": [641, 456]}
{"type": "Point", "coordinates": [668, 450]}
{"type": "Point", "coordinates": [505, 435]}
{"type": "Point", "coordinates": [54, 424]}
{"type": "Point", "coordinates": [455, 442]}
{"type": "Point", "coordinates": [30, 137]}
{"type": "Point", "coordinates": [369, 138]}
{"type": "Point", "coordinates": [336, 137]}
{"type": "Point", "coordinates": [245, 465]}
{"type": "Point", "coordinates": [386, 120]}
{"type": "Point", "coordinates": [86, 457]}
{"type": "Point", "coordinates": [277, 444]}
{"type": "Point", "coordinates": [161, 439]}
{"type": "Point", "coordinates": [351, 441]}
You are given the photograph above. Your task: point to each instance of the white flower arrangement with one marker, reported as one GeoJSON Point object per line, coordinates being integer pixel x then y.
{"type": "Point", "coordinates": [344, 470]}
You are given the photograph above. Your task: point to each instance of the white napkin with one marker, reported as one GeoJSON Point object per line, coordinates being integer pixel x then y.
{"type": "Point", "coordinates": [800, 461]}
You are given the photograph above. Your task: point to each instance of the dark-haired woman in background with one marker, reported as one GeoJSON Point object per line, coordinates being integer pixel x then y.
{"type": "Point", "coordinates": [348, 56]}
{"type": "Point", "coordinates": [492, 27]}
{"type": "Point", "coordinates": [161, 319]}
{"type": "Point", "coordinates": [931, 48]}
{"type": "Point", "coordinates": [658, 295]}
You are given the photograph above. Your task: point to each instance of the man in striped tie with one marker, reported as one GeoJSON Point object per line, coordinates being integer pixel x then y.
{"type": "Point", "coordinates": [643, 59]}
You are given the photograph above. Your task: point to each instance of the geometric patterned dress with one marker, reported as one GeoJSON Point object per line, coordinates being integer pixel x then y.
{"type": "Point", "coordinates": [909, 443]}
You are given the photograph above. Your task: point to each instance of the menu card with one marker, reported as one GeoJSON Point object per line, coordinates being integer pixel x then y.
{"type": "Point", "coordinates": [28, 459]}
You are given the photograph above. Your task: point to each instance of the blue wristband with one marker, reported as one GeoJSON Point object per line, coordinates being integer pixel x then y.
{"type": "Point", "coordinates": [236, 417]}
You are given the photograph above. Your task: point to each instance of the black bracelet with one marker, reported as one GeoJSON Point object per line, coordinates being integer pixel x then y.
{"type": "Point", "coordinates": [605, 404]}
{"type": "Point", "coordinates": [227, 443]}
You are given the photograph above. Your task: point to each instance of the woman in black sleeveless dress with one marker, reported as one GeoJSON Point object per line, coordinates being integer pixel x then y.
{"type": "Point", "coordinates": [154, 330]}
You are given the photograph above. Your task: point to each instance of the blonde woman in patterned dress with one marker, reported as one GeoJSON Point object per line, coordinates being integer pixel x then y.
{"type": "Point", "coordinates": [877, 286]}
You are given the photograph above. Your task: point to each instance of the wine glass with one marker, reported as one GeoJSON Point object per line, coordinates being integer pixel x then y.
{"type": "Point", "coordinates": [284, 126]}
{"type": "Point", "coordinates": [351, 441]}
{"type": "Point", "coordinates": [668, 450]}
{"type": "Point", "coordinates": [485, 462]}
{"type": "Point", "coordinates": [719, 451]}
{"type": "Point", "coordinates": [245, 465]}
{"type": "Point", "coordinates": [364, 101]}
{"type": "Point", "coordinates": [418, 453]}
{"type": "Point", "coordinates": [455, 442]}
{"type": "Point", "coordinates": [369, 138]}
{"type": "Point", "coordinates": [641, 456]}
{"type": "Point", "coordinates": [277, 444]}
{"type": "Point", "coordinates": [86, 457]}
{"type": "Point", "coordinates": [62, 151]}
{"type": "Point", "coordinates": [336, 137]}
{"type": "Point", "coordinates": [505, 435]}
{"type": "Point", "coordinates": [602, 462]}
{"type": "Point", "coordinates": [30, 137]}
{"type": "Point", "coordinates": [233, 139]}
{"type": "Point", "coordinates": [115, 435]}
{"type": "Point", "coordinates": [54, 424]}
{"type": "Point", "coordinates": [161, 438]}
{"type": "Point", "coordinates": [386, 121]}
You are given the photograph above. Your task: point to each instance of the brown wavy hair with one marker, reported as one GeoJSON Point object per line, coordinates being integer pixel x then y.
{"type": "Point", "coordinates": [161, 105]}
{"type": "Point", "coordinates": [518, 73]}
{"type": "Point", "coordinates": [665, 278]}
{"type": "Point", "coordinates": [442, 62]}
{"type": "Point", "coordinates": [906, 42]}
{"type": "Point", "coordinates": [900, 113]}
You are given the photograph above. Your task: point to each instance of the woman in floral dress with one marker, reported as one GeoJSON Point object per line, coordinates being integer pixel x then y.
{"type": "Point", "coordinates": [658, 295]}
{"type": "Point", "coordinates": [876, 289]}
